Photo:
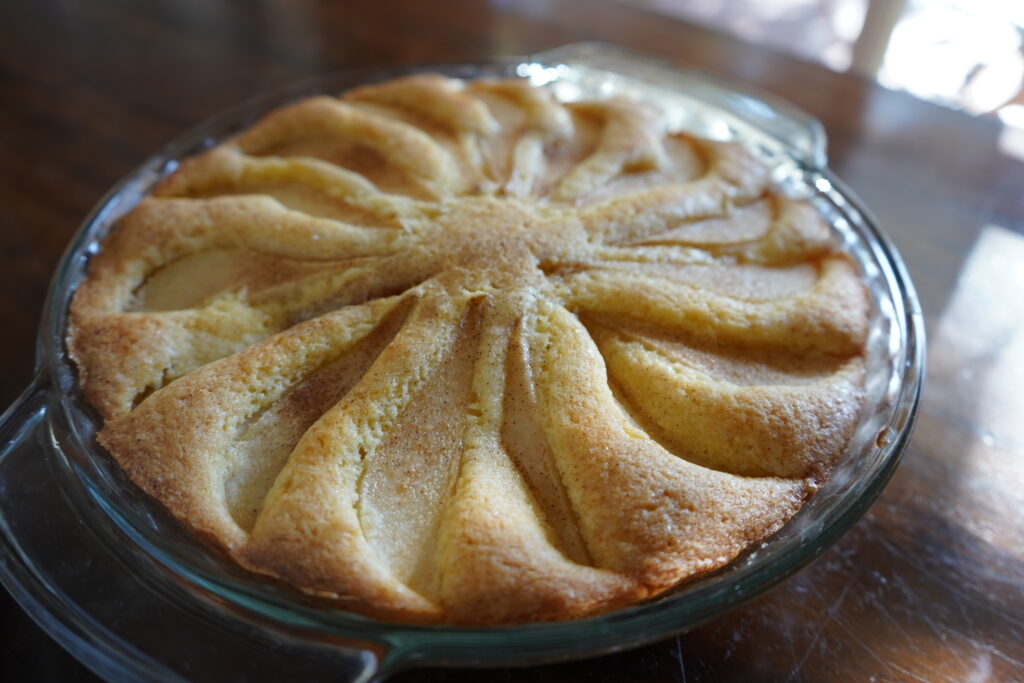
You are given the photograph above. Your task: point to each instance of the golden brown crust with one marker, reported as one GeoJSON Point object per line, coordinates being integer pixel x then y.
{"type": "Point", "coordinates": [459, 352]}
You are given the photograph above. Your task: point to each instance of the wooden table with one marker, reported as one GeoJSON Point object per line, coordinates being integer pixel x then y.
{"type": "Point", "coordinates": [927, 586]}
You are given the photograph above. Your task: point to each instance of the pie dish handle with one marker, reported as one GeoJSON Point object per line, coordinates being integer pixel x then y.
{"type": "Point", "coordinates": [90, 589]}
{"type": "Point", "coordinates": [761, 117]}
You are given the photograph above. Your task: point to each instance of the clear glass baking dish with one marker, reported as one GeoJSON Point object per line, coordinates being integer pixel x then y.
{"type": "Point", "coordinates": [107, 572]}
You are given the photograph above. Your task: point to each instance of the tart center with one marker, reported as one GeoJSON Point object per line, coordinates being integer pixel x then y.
{"type": "Point", "coordinates": [505, 240]}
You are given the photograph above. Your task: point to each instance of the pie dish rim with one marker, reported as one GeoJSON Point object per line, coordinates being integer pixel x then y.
{"type": "Point", "coordinates": [682, 608]}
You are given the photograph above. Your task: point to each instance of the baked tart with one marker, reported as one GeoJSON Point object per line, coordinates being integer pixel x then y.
{"type": "Point", "coordinates": [457, 351]}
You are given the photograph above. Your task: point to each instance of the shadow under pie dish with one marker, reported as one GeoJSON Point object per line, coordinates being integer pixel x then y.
{"type": "Point", "coordinates": [458, 351]}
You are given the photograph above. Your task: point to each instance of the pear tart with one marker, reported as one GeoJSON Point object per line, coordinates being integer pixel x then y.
{"type": "Point", "coordinates": [451, 351]}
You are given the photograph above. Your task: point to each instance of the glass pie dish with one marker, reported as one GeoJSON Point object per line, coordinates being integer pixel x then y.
{"type": "Point", "coordinates": [111, 576]}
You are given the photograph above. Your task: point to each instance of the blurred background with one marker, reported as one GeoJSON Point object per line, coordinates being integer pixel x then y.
{"type": "Point", "coordinates": [963, 54]}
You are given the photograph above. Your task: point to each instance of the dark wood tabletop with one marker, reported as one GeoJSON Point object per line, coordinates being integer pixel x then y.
{"type": "Point", "coordinates": [929, 585]}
